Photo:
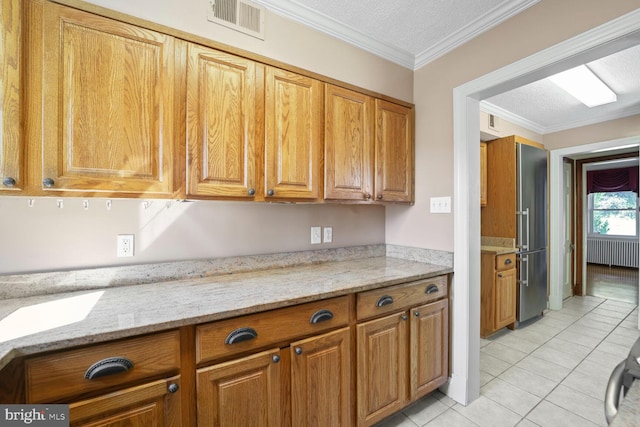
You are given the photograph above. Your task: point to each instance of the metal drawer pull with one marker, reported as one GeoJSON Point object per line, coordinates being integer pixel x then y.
{"type": "Point", "coordinates": [384, 300]}
{"type": "Point", "coordinates": [241, 334]}
{"type": "Point", "coordinates": [173, 387]}
{"type": "Point", "coordinates": [431, 289]}
{"type": "Point", "coordinates": [507, 261]}
{"type": "Point", "coordinates": [321, 316]}
{"type": "Point", "coordinates": [108, 366]}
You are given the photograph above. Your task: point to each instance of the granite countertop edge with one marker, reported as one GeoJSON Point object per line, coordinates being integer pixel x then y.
{"type": "Point", "coordinates": [43, 323]}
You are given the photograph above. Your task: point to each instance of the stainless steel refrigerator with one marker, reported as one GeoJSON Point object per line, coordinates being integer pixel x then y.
{"type": "Point", "coordinates": [531, 229]}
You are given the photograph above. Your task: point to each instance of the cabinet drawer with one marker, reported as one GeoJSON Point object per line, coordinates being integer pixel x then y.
{"type": "Point", "coordinates": [56, 376]}
{"type": "Point", "coordinates": [505, 261]}
{"type": "Point", "coordinates": [227, 337]}
{"type": "Point", "coordinates": [392, 298]}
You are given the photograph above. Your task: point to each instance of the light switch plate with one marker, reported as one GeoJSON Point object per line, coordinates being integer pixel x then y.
{"type": "Point", "coordinates": [440, 205]}
{"type": "Point", "coordinates": [327, 236]}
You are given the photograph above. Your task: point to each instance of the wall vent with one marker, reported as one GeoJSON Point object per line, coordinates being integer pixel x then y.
{"type": "Point", "coordinates": [240, 15]}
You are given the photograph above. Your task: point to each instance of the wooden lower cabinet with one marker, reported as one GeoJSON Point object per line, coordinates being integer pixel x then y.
{"type": "Point", "coordinates": [306, 384]}
{"type": "Point", "coordinates": [401, 357]}
{"type": "Point", "coordinates": [243, 392]}
{"type": "Point", "coordinates": [498, 293]}
{"type": "Point", "coordinates": [156, 404]}
{"type": "Point", "coordinates": [429, 348]}
{"type": "Point", "coordinates": [382, 367]}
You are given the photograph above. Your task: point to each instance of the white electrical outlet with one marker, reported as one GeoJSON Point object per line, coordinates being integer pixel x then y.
{"type": "Point", "coordinates": [316, 235]}
{"type": "Point", "coordinates": [125, 245]}
{"type": "Point", "coordinates": [327, 235]}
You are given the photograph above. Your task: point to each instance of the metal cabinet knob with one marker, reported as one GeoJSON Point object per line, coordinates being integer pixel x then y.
{"type": "Point", "coordinates": [404, 317]}
{"type": "Point", "coordinates": [8, 182]}
{"type": "Point", "coordinates": [298, 351]}
{"type": "Point", "coordinates": [252, 191]}
{"type": "Point", "coordinates": [379, 197]}
{"type": "Point", "coordinates": [270, 193]}
{"type": "Point", "coordinates": [367, 196]}
{"type": "Point", "coordinates": [48, 182]}
{"type": "Point", "coordinates": [416, 313]}
{"type": "Point", "coordinates": [173, 387]}
{"type": "Point", "coordinates": [275, 358]}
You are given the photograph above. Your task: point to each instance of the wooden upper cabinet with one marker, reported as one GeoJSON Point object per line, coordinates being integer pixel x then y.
{"type": "Point", "coordinates": [293, 147]}
{"type": "Point", "coordinates": [108, 105]}
{"type": "Point", "coordinates": [394, 152]}
{"type": "Point", "coordinates": [348, 150]}
{"type": "Point", "coordinates": [224, 113]}
{"type": "Point", "coordinates": [11, 137]}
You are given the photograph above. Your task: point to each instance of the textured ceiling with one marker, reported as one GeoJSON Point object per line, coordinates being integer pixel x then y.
{"type": "Point", "coordinates": [415, 32]}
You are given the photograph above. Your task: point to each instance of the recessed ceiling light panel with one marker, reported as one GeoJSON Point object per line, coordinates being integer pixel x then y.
{"type": "Point", "coordinates": [582, 84]}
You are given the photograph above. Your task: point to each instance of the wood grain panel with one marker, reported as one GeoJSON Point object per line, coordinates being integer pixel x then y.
{"type": "Point", "coordinates": [11, 136]}
{"type": "Point", "coordinates": [348, 144]}
{"type": "Point", "coordinates": [57, 376]}
{"type": "Point", "coordinates": [243, 392]}
{"type": "Point", "coordinates": [394, 162]}
{"type": "Point", "coordinates": [381, 367]}
{"type": "Point", "coordinates": [321, 380]}
{"type": "Point", "coordinates": [483, 174]}
{"type": "Point", "coordinates": [498, 216]}
{"type": "Point", "coordinates": [271, 327]}
{"type": "Point", "coordinates": [221, 124]}
{"type": "Point", "coordinates": [505, 261]}
{"type": "Point", "coordinates": [429, 347]}
{"type": "Point", "coordinates": [293, 150]}
{"type": "Point", "coordinates": [506, 287]}
{"type": "Point", "coordinates": [108, 110]}
{"type": "Point", "coordinates": [148, 405]}
{"type": "Point", "coordinates": [487, 305]}
{"type": "Point", "coordinates": [403, 296]}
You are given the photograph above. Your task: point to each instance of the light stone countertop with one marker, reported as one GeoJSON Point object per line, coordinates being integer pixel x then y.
{"type": "Point", "coordinates": [34, 324]}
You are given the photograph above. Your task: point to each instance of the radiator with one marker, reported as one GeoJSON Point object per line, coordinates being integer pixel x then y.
{"type": "Point", "coordinates": [623, 253]}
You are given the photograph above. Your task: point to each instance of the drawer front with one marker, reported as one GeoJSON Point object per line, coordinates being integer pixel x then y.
{"type": "Point", "coordinates": [399, 297]}
{"type": "Point", "coordinates": [228, 337]}
{"type": "Point", "coordinates": [505, 261]}
{"type": "Point", "coordinates": [56, 376]}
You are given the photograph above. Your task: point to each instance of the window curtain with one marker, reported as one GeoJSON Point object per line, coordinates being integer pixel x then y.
{"type": "Point", "coordinates": [612, 180]}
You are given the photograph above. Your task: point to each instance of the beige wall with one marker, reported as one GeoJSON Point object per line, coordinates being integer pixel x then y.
{"type": "Point", "coordinates": [47, 238]}
{"type": "Point", "coordinates": [543, 25]}
{"type": "Point", "coordinates": [605, 131]}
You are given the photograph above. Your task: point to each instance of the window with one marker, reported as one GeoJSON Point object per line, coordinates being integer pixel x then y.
{"type": "Point", "coordinates": [613, 213]}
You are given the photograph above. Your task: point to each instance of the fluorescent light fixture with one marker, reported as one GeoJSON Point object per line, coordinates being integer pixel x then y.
{"type": "Point", "coordinates": [582, 84]}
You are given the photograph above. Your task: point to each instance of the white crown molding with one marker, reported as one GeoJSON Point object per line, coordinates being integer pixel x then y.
{"type": "Point", "coordinates": [325, 24]}
{"type": "Point", "coordinates": [515, 119]}
{"type": "Point", "coordinates": [483, 23]}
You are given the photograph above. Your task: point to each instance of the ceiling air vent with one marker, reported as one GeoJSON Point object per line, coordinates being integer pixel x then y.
{"type": "Point", "coordinates": [240, 15]}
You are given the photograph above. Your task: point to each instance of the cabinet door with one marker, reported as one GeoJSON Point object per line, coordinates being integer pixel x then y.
{"type": "Point", "coordinates": [11, 148]}
{"type": "Point", "coordinates": [505, 295]}
{"type": "Point", "coordinates": [154, 404]}
{"type": "Point", "coordinates": [243, 392]}
{"type": "Point", "coordinates": [108, 105]}
{"type": "Point", "coordinates": [348, 150]}
{"type": "Point", "coordinates": [222, 117]}
{"type": "Point", "coordinates": [294, 113]}
{"type": "Point", "coordinates": [429, 347]}
{"type": "Point", "coordinates": [321, 380]}
{"type": "Point", "coordinates": [382, 367]}
{"type": "Point", "coordinates": [394, 152]}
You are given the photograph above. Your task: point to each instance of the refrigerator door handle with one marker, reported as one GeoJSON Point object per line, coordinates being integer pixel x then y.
{"type": "Point", "coordinates": [524, 244]}
{"type": "Point", "coordinates": [524, 271]}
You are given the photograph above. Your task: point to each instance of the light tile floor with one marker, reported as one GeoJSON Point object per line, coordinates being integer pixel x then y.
{"type": "Point", "coordinates": [550, 372]}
